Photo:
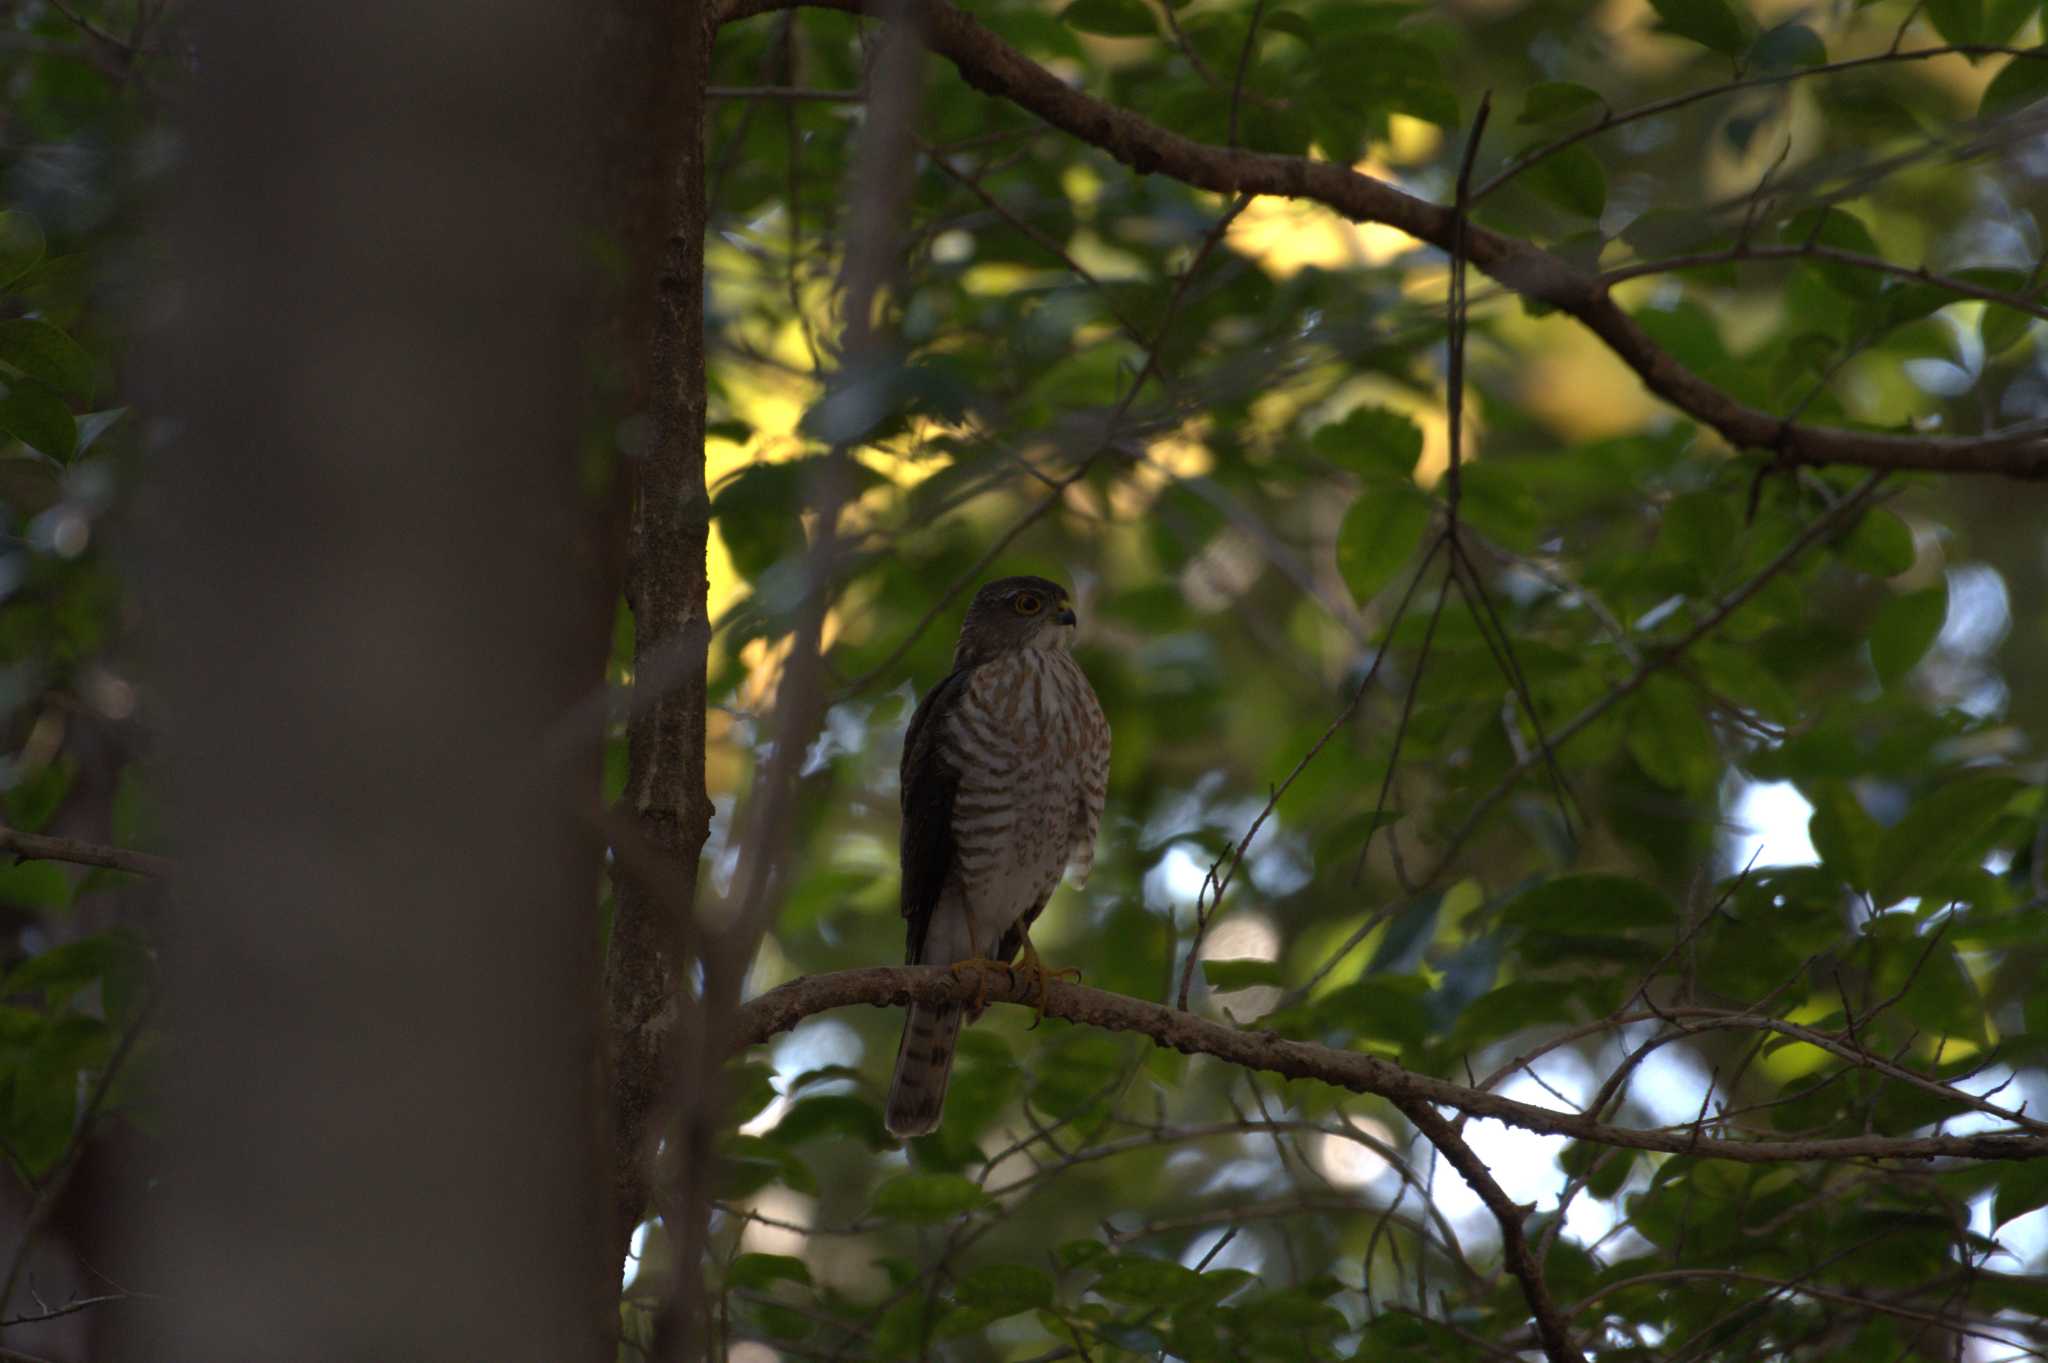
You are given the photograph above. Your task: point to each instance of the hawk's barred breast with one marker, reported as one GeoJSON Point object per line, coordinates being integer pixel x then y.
{"type": "Point", "coordinates": [1024, 737]}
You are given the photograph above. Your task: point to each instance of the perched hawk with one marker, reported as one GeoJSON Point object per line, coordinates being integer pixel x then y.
{"type": "Point", "coordinates": [1004, 770]}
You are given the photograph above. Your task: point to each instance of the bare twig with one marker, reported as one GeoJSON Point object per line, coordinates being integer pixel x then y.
{"type": "Point", "coordinates": [1664, 656]}
{"type": "Point", "coordinates": [54, 1182]}
{"type": "Point", "coordinates": [1664, 106]}
{"type": "Point", "coordinates": [1218, 883]}
{"type": "Point", "coordinates": [1814, 250]}
{"type": "Point", "coordinates": [36, 847]}
{"type": "Point", "coordinates": [1059, 488]}
{"type": "Point", "coordinates": [787, 92]}
{"type": "Point", "coordinates": [1558, 1344]}
{"type": "Point", "coordinates": [68, 1309]}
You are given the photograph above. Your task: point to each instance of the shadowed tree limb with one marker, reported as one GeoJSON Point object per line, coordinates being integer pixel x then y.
{"type": "Point", "coordinates": [780, 1009]}
{"type": "Point", "coordinates": [37, 847]}
{"type": "Point", "coordinates": [991, 65]}
{"type": "Point", "coordinates": [1514, 1244]}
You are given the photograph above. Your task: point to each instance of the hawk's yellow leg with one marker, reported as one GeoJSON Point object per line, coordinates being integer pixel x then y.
{"type": "Point", "coordinates": [982, 967]}
{"type": "Point", "coordinates": [1037, 976]}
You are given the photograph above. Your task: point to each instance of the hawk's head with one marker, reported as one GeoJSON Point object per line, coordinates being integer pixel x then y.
{"type": "Point", "coordinates": [1013, 613]}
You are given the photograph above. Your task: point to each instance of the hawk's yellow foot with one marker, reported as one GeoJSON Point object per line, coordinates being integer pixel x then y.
{"type": "Point", "coordinates": [1035, 975]}
{"type": "Point", "coordinates": [982, 967]}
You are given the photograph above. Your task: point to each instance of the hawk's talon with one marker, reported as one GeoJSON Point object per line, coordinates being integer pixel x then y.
{"type": "Point", "coordinates": [981, 966]}
{"type": "Point", "coordinates": [1037, 977]}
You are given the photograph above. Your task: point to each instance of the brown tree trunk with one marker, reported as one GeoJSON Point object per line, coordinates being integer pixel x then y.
{"type": "Point", "coordinates": [373, 598]}
{"type": "Point", "coordinates": [666, 813]}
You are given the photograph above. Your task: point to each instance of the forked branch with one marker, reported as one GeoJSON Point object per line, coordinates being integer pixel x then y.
{"type": "Point", "coordinates": [895, 986]}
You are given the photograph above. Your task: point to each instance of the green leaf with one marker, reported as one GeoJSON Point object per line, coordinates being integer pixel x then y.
{"type": "Point", "coordinates": [1554, 99]}
{"type": "Point", "coordinates": [44, 352]}
{"type": "Point", "coordinates": [1592, 903]}
{"type": "Point", "coordinates": [46, 1088]}
{"type": "Point", "coordinates": [1280, 21]}
{"type": "Point", "coordinates": [2002, 328]}
{"type": "Point", "coordinates": [761, 1270]}
{"type": "Point", "coordinates": [1379, 535]}
{"type": "Point", "coordinates": [1005, 1290]}
{"type": "Point", "coordinates": [2022, 80]}
{"type": "Point", "coordinates": [1373, 442]}
{"type": "Point", "coordinates": [750, 1164]}
{"type": "Point", "coordinates": [752, 1085]}
{"type": "Point", "coordinates": [758, 515]}
{"type": "Point", "coordinates": [906, 1326]}
{"type": "Point", "coordinates": [1943, 999]}
{"type": "Point", "coordinates": [1788, 46]}
{"type": "Point", "coordinates": [1138, 1281]}
{"type": "Point", "coordinates": [921, 1199]}
{"type": "Point", "coordinates": [38, 418]}
{"type": "Point", "coordinates": [1904, 630]}
{"type": "Point", "coordinates": [1703, 534]}
{"type": "Point", "coordinates": [21, 245]}
{"type": "Point", "coordinates": [1957, 21]}
{"type": "Point", "coordinates": [1843, 833]}
{"type": "Point", "coordinates": [1881, 544]}
{"type": "Point", "coordinates": [63, 970]}
{"type": "Point", "coordinates": [2022, 1187]}
{"type": "Point", "coordinates": [1510, 1008]}
{"type": "Point", "coordinates": [1573, 179]}
{"type": "Point", "coordinates": [1110, 18]}
{"type": "Point", "coordinates": [1937, 833]}
{"type": "Point", "coordinates": [2005, 18]}
{"type": "Point", "coordinates": [1372, 72]}
{"type": "Point", "coordinates": [1241, 973]}
{"type": "Point", "coordinates": [1690, 333]}
{"type": "Point", "coordinates": [1669, 737]}
{"type": "Point", "coordinates": [1080, 1253]}
{"type": "Point", "coordinates": [1378, 1008]}
{"type": "Point", "coordinates": [1844, 232]}
{"type": "Point", "coordinates": [1710, 23]}
{"type": "Point", "coordinates": [38, 795]}
{"type": "Point", "coordinates": [842, 1115]}
{"type": "Point", "coordinates": [43, 885]}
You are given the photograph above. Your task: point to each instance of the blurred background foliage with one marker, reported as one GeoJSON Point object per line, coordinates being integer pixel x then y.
{"type": "Point", "coordinates": [79, 136]}
{"type": "Point", "coordinates": [1226, 434]}
{"type": "Point", "coordinates": [1229, 441]}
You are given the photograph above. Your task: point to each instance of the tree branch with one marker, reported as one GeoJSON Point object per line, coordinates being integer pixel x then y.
{"type": "Point", "coordinates": [1521, 1261]}
{"type": "Point", "coordinates": [991, 65]}
{"type": "Point", "coordinates": [896, 986]}
{"type": "Point", "coordinates": [36, 847]}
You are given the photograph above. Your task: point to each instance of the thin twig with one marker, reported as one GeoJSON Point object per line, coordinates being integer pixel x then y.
{"type": "Point", "coordinates": [1666, 105]}
{"type": "Point", "coordinates": [1661, 658]}
{"type": "Point", "coordinates": [37, 847]}
{"type": "Point", "coordinates": [1814, 250]}
{"type": "Point", "coordinates": [1057, 493]}
{"type": "Point", "coordinates": [54, 1183]}
{"type": "Point", "coordinates": [1551, 1328]}
{"type": "Point", "coordinates": [787, 92]}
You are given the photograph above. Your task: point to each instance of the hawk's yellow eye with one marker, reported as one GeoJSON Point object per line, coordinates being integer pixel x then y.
{"type": "Point", "coordinates": [1027, 603]}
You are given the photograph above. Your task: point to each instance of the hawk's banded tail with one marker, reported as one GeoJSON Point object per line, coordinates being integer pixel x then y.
{"type": "Point", "coordinates": [924, 1062]}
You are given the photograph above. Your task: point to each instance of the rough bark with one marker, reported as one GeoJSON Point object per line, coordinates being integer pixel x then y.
{"type": "Point", "coordinates": [666, 814]}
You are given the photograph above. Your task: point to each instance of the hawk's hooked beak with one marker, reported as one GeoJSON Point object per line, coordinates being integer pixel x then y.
{"type": "Point", "coordinates": [1066, 616]}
